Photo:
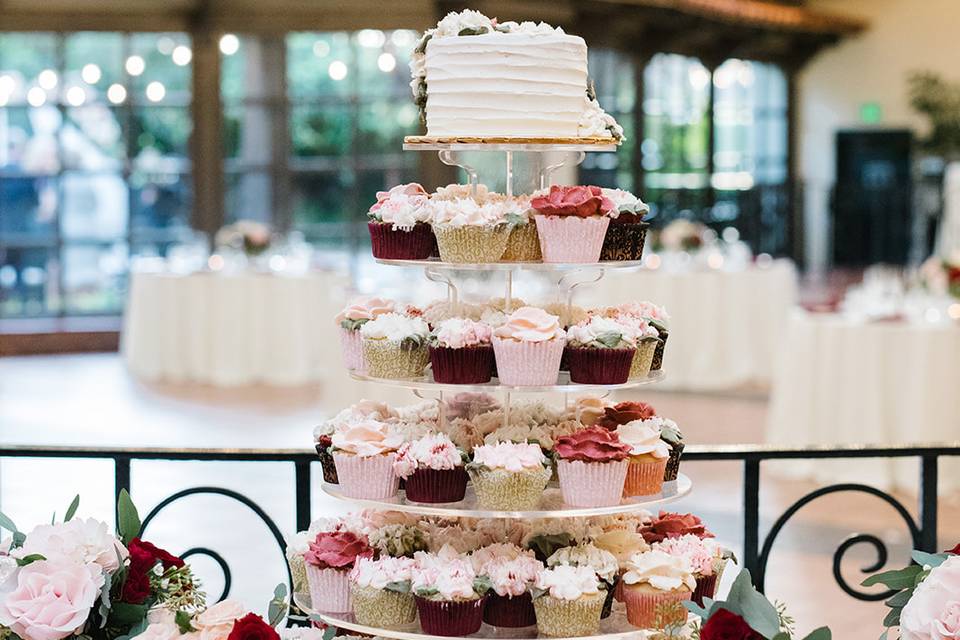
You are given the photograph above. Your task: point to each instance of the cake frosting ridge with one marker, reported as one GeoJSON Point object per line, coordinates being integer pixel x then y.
{"type": "Point", "coordinates": [473, 76]}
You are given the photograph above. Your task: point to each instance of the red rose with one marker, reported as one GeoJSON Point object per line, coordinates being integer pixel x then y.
{"type": "Point", "coordinates": [158, 554]}
{"type": "Point", "coordinates": [573, 201]}
{"type": "Point", "coordinates": [337, 550]}
{"type": "Point", "coordinates": [955, 551]}
{"type": "Point", "coordinates": [592, 444]}
{"type": "Point", "coordinates": [136, 588]}
{"type": "Point", "coordinates": [673, 525]}
{"type": "Point", "coordinates": [725, 625]}
{"type": "Point", "coordinates": [624, 412]}
{"type": "Point", "coordinates": [252, 627]}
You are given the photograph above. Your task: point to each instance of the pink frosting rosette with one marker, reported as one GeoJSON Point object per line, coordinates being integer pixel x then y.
{"type": "Point", "coordinates": [382, 573]}
{"type": "Point", "coordinates": [511, 570]}
{"type": "Point", "coordinates": [433, 451]}
{"type": "Point", "coordinates": [530, 324]}
{"type": "Point", "coordinates": [363, 309]}
{"type": "Point", "coordinates": [411, 190]}
{"type": "Point", "coordinates": [446, 575]}
{"type": "Point", "coordinates": [510, 456]}
{"type": "Point", "coordinates": [457, 333]}
{"type": "Point", "coordinates": [702, 554]}
{"type": "Point", "coordinates": [582, 202]}
{"type": "Point", "coordinates": [367, 438]}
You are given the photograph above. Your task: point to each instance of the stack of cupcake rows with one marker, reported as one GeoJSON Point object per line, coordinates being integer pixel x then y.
{"type": "Point", "coordinates": [464, 224]}
{"type": "Point", "coordinates": [527, 346]}
{"type": "Point", "coordinates": [389, 570]}
{"type": "Point", "coordinates": [599, 453]}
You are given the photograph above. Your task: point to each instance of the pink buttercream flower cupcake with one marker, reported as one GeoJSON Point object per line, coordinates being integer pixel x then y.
{"type": "Point", "coordinates": [399, 228]}
{"type": "Point", "coordinates": [572, 223]}
{"type": "Point", "coordinates": [432, 468]}
{"type": "Point", "coordinates": [329, 560]}
{"type": "Point", "coordinates": [648, 456]}
{"type": "Point", "coordinates": [511, 571]}
{"type": "Point", "coordinates": [381, 591]}
{"type": "Point", "coordinates": [706, 558]}
{"type": "Point", "coordinates": [460, 352]}
{"type": "Point", "coordinates": [655, 586]}
{"type": "Point", "coordinates": [600, 351]}
{"type": "Point", "coordinates": [469, 231]}
{"type": "Point", "coordinates": [449, 597]}
{"type": "Point", "coordinates": [509, 476]}
{"type": "Point", "coordinates": [350, 319]}
{"type": "Point", "coordinates": [592, 467]}
{"type": "Point", "coordinates": [364, 454]}
{"type": "Point", "coordinates": [528, 348]}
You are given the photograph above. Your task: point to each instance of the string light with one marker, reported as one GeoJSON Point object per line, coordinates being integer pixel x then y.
{"type": "Point", "coordinates": [229, 44]}
{"type": "Point", "coordinates": [182, 55]}
{"type": "Point", "coordinates": [47, 79]}
{"type": "Point", "coordinates": [116, 93]}
{"type": "Point", "coordinates": [91, 73]}
{"type": "Point", "coordinates": [386, 62]}
{"type": "Point", "coordinates": [76, 96]}
{"type": "Point", "coordinates": [337, 70]}
{"type": "Point", "coordinates": [36, 97]}
{"type": "Point", "coordinates": [135, 65]}
{"type": "Point", "coordinates": [156, 91]}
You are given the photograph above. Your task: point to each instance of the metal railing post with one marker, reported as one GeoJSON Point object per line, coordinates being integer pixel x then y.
{"type": "Point", "coordinates": [927, 497]}
{"type": "Point", "coordinates": [751, 519]}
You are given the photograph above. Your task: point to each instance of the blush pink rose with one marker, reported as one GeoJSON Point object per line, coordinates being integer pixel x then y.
{"type": "Point", "coordinates": [216, 622]}
{"type": "Point", "coordinates": [933, 613]}
{"type": "Point", "coordinates": [52, 599]}
{"type": "Point", "coordinates": [160, 631]}
{"type": "Point", "coordinates": [573, 201]}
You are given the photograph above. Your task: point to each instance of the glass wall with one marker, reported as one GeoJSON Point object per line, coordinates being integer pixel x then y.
{"type": "Point", "coordinates": [93, 164]}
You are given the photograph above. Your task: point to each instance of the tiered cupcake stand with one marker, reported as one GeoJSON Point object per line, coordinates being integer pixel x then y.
{"type": "Point", "coordinates": [569, 276]}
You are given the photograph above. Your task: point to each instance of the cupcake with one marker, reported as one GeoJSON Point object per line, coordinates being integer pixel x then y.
{"type": "Point", "coordinates": [706, 559]}
{"type": "Point", "coordinates": [649, 321]}
{"type": "Point", "coordinates": [523, 245]}
{"type": "Point", "coordinates": [470, 232]}
{"type": "Point", "coordinates": [398, 540]}
{"type": "Point", "coordinates": [588, 410]}
{"type": "Point", "coordinates": [670, 433]}
{"type": "Point", "coordinates": [600, 351]}
{"type": "Point", "coordinates": [399, 228]}
{"type": "Point", "coordinates": [432, 468]}
{"type": "Point", "coordinates": [655, 586]}
{"type": "Point", "coordinates": [528, 348]}
{"type": "Point", "coordinates": [648, 456]}
{"type": "Point", "coordinates": [509, 476]}
{"type": "Point", "coordinates": [568, 601]}
{"type": "Point", "coordinates": [323, 441]}
{"type": "Point", "coordinates": [627, 231]}
{"type": "Point", "coordinates": [395, 346]}
{"type": "Point", "coordinates": [350, 319]}
{"type": "Point", "coordinates": [329, 559]}
{"type": "Point", "coordinates": [572, 223]}
{"type": "Point", "coordinates": [511, 571]}
{"type": "Point", "coordinates": [624, 412]}
{"type": "Point", "coordinates": [673, 525]}
{"type": "Point", "coordinates": [460, 352]}
{"type": "Point", "coordinates": [296, 549]}
{"type": "Point", "coordinates": [381, 592]}
{"type": "Point", "coordinates": [603, 563]}
{"type": "Point", "coordinates": [364, 454]}
{"type": "Point", "coordinates": [592, 467]}
{"type": "Point", "coordinates": [449, 596]}
{"type": "Point", "coordinates": [623, 543]}
{"type": "Point", "coordinates": [468, 405]}
{"type": "Point", "coordinates": [658, 318]}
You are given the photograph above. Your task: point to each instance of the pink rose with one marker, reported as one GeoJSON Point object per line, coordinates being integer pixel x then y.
{"type": "Point", "coordinates": [933, 613]}
{"type": "Point", "coordinates": [161, 631]}
{"type": "Point", "coordinates": [216, 622]}
{"type": "Point", "coordinates": [412, 189]}
{"type": "Point", "coordinates": [365, 308]}
{"type": "Point", "coordinates": [530, 324]}
{"type": "Point", "coordinates": [52, 599]}
{"type": "Point", "coordinates": [573, 201]}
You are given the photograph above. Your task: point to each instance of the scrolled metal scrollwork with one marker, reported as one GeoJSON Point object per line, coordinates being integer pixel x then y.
{"type": "Point", "coordinates": [879, 545]}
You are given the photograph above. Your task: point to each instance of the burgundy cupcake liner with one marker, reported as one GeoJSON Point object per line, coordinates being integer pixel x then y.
{"type": "Point", "coordinates": [436, 485]}
{"type": "Point", "coordinates": [658, 352]}
{"type": "Point", "coordinates": [467, 365]}
{"type": "Point", "coordinates": [599, 366]}
{"type": "Point", "coordinates": [390, 244]}
{"type": "Point", "coordinates": [706, 588]}
{"type": "Point", "coordinates": [624, 241]}
{"type": "Point", "coordinates": [511, 612]}
{"type": "Point", "coordinates": [450, 618]}
{"type": "Point", "coordinates": [326, 463]}
{"type": "Point", "coordinates": [673, 462]}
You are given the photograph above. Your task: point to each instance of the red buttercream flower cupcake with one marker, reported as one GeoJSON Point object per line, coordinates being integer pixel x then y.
{"type": "Point", "coordinates": [572, 223]}
{"type": "Point", "coordinates": [624, 412]}
{"type": "Point", "coordinates": [592, 467]}
{"type": "Point", "coordinates": [673, 525]}
{"type": "Point", "coordinates": [329, 559]}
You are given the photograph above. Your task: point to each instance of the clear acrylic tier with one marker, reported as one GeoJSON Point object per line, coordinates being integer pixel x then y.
{"type": "Point", "coordinates": [424, 143]}
{"type": "Point", "coordinates": [551, 505]}
{"type": "Point", "coordinates": [620, 265]}
{"type": "Point", "coordinates": [563, 385]}
{"type": "Point", "coordinates": [614, 627]}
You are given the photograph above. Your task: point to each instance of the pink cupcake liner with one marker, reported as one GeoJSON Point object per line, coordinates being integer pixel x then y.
{"type": "Point", "coordinates": [436, 485]}
{"type": "Point", "coordinates": [592, 484]}
{"type": "Point", "coordinates": [599, 366]}
{"type": "Point", "coordinates": [527, 364]}
{"type": "Point", "coordinates": [329, 589]}
{"type": "Point", "coordinates": [706, 588]}
{"type": "Point", "coordinates": [571, 238]}
{"type": "Point", "coordinates": [352, 351]}
{"type": "Point", "coordinates": [388, 243]}
{"type": "Point", "coordinates": [511, 612]}
{"type": "Point", "coordinates": [455, 618]}
{"type": "Point", "coordinates": [366, 478]}
{"type": "Point", "coordinates": [644, 478]}
{"type": "Point", "coordinates": [642, 607]}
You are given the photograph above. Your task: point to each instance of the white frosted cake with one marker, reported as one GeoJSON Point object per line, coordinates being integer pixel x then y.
{"type": "Point", "coordinates": [473, 77]}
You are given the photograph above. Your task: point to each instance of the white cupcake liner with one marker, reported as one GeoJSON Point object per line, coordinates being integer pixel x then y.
{"type": "Point", "coordinates": [366, 478]}
{"type": "Point", "coordinates": [527, 364]}
{"type": "Point", "coordinates": [592, 484]}
{"type": "Point", "coordinates": [571, 238]}
{"type": "Point", "coordinates": [329, 589]}
{"type": "Point", "coordinates": [352, 351]}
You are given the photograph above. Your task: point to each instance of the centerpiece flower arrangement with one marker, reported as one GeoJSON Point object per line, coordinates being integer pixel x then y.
{"type": "Point", "coordinates": [249, 236]}
{"type": "Point", "coordinates": [942, 275]}
{"type": "Point", "coordinates": [926, 605]}
{"type": "Point", "coordinates": [682, 235]}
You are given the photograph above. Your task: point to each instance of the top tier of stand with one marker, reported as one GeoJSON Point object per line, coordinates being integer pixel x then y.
{"type": "Point", "coordinates": [465, 143]}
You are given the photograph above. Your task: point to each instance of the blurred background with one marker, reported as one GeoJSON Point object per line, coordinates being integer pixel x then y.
{"type": "Point", "coordinates": [801, 160]}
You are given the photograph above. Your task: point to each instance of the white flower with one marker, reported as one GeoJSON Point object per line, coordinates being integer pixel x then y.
{"type": "Point", "coordinates": [603, 563]}
{"type": "Point", "coordinates": [567, 582]}
{"type": "Point", "coordinates": [453, 23]}
{"type": "Point", "coordinates": [83, 541]}
{"type": "Point", "coordinates": [661, 571]}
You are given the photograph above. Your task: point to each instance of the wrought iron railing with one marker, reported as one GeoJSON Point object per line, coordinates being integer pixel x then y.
{"type": "Point", "coordinates": [757, 545]}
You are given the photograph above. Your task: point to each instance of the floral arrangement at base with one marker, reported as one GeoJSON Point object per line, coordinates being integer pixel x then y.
{"type": "Point", "coordinates": [249, 236]}
{"type": "Point", "coordinates": [746, 614]}
{"type": "Point", "coordinates": [682, 235]}
{"type": "Point", "coordinates": [941, 276]}
{"type": "Point", "coordinates": [76, 578]}
{"type": "Point", "coordinates": [926, 605]}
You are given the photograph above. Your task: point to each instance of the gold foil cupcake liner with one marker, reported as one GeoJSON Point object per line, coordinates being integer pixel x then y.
{"type": "Point", "coordinates": [472, 244]}
{"type": "Point", "coordinates": [386, 359]}
{"type": "Point", "coordinates": [566, 618]}
{"type": "Point", "coordinates": [381, 608]}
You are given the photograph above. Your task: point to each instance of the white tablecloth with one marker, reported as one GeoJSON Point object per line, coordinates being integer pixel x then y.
{"type": "Point", "coordinates": [841, 381]}
{"type": "Point", "coordinates": [232, 329]}
{"type": "Point", "coordinates": [725, 326]}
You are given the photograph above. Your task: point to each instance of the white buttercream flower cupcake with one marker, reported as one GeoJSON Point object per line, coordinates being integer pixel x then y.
{"type": "Point", "coordinates": [655, 586]}
{"type": "Point", "coordinates": [509, 476]}
{"type": "Point", "coordinates": [449, 596]}
{"type": "Point", "coordinates": [470, 232]}
{"type": "Point", "coordinates": [398, 225]}
{"type": "Point", "coordinates": [460, 352]}
{"type": "Point", "coordinates": [600, 351]}
{"type": "Point", "coordinates": [432, 468]}
{"type": "Point", "coordinates": [395, 346]}
{"type": "Point", "coordinates": [648, 456]}
{"type": "Point", "coordinates": [568, 601]}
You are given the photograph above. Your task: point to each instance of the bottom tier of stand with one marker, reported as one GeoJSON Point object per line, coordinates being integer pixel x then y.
{"type": "Point", "coordinates": [614, 627]}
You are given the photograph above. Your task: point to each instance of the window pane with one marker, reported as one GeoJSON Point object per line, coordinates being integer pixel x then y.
{"type": "Point", "coordinates": [27, 206]}
{"type": "Point", "coordinates": [248, 196]}
{"type": "Point", "coordinates": [321, 131]}
{"type": "Point", "coordinates": [92, 138]}
{"type": "Point", "coordinates": [93, 278]}
{"type": "Point", "coordinates": [94, 61]}
{"type": "Point", "coordinates": [95, 205]}
{"type": "Point", "coordinates": [382, 60]}
{"type": "Point", "coordinates": [383, 125]}
{"type": "Point", "coordinates": [320, 64]}
{"type": "Point", "coordinates": [160, 203]}
{"type": "Point", "coordinates": [160, 54]}
{"type": "Point", "coordinates": [322, 198]}
{"type": "Point", "coordinates": [28, 282]}
{"type": "Point", "coordinates": [162, 135]}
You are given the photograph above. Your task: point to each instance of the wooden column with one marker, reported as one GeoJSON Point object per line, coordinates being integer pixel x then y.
{"type": "Point", "coordinates": [711, 135]}
{"type": "Point", "coordinates": [796, 240]}
{"type": "Point", "coordinates": [640, 62]}
{"type": "Point", "coordinates": [206, 140]}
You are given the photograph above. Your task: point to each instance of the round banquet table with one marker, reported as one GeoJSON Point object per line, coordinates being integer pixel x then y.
{"type": "Point", "coordinates": [228, 329]}
{"type": "Point", "coordinates": [842, 381]}
{"type": "Point", "coordinates": [725, 325]}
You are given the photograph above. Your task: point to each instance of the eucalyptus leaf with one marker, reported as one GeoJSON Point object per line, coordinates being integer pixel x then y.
{"type": "Point", "coordinates": [473, 31]}
{"type": "Point", "coordinates": [895, 579]}
{"type": "Point", "coordinates": [398, 586]}
{"type": "Point", "coordinates": [481, 584]}
{"type": "Point", "coordinates": [426, 592]}
{"type": "Point", "coordinates": [932, 560]}
{"type": "Point", "coordinates": [753, 607]}
{"type": "Point", "coordinates": [900, 599]}
{"type": "Point", "coordinates": [892, 618]}
{"type": "Point", "coordinates": [19, 538]}
{"type": "Point", "coordinates": [72, 509]}
{"type": "Point", "coordinates": [135, 630]}
{"type": "Point", "coordinates": [695, 609]}
{"type": "Point", "coordinates": [536, 592]}
{"type": "Point", "coordinates": [105, 604]}
{"type": "Point", "coordinates": [124, 613]}
{"type": "Point", "coordinates": [128, 520]}
{"type": "Point", "coordinates": [823, 633]}
{"type": "Point", "coordinates": [610, 339]}
{"type": "Point", "coordinates": [7, 523]}
{"type": "Point", "coordinates": [783, 635]}
{"type": "Point", "coordinates": [329, 633]}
